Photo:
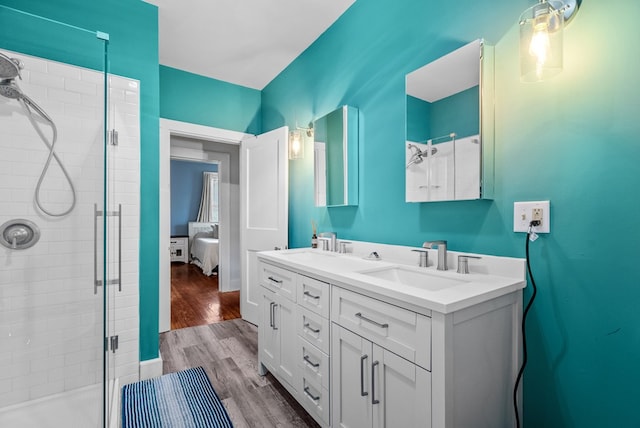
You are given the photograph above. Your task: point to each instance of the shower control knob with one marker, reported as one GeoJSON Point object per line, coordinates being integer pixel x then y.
{"type": "Point", "coordinates": [19, 234]}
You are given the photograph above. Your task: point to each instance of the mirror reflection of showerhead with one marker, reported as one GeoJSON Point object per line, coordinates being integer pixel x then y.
{"type": "Point", "coordinates": [9, 67]}
{"type": "Point", "coordinates": [417, 155]}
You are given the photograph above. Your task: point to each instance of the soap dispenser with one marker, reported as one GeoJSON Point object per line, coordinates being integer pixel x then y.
{"type": "Point", "coordinates": [314, 237]}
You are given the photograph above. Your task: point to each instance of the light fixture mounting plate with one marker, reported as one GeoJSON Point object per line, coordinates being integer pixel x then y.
{"type": "Point", "coordinates": [570, 9]}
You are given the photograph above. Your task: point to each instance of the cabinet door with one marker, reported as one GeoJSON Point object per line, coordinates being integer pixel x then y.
{"type": "Point", "coordinates": [285, 315]}
{"type": "Point", "coordinates": [350, 379]}
{"type": "Point", "coordinates": [268, 333]}
{"type": "Point", "coordinates": [400, 392]}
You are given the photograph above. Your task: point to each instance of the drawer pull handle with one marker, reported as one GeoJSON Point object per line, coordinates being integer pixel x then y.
{"type": "Point", "coordinates": [277, 281]}
{"type": "Point", "coordinates": [308, 360]}
{"type": "Point", "coordinates": [306, 293]}
{"type": "Point", "coordinates": [369, 320]}
{"type": "Point", "coordinates": [306, 391]}
{"type": "Point", "coordinates": [308, 326]}
{"type": "Point", "coordinates": [363, 393]}
{"type": "Point", "coordinates": [373, 383]}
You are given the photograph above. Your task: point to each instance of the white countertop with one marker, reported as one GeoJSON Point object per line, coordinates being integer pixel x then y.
{"type": "Point", "coordinates": [490, 277]}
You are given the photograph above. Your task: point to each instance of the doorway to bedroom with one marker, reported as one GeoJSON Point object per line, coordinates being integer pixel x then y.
{"type": "Point", "coordinates": [204, 199]}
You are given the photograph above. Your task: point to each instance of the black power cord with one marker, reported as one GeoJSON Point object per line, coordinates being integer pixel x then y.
{"type": "Point", "coordinates": [524, 319]}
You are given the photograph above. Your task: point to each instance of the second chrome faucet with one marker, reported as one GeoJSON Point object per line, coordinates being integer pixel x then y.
{"type": "Point", "coordinates": [442, 252]}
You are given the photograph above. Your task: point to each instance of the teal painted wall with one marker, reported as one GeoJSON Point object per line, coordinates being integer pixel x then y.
{"type": "Point", "coordinates": [186, 192]}
{"type": "Point", "coordinates": [458, 113]}
{"type": "Point", "coordinates": [133, 52]}
{"type": "Point", "coordinates": [192, 98]}
{"type": "Point", "coordinates": [418, 119]}
{"type": "Point", "coordinates": [572, 140]}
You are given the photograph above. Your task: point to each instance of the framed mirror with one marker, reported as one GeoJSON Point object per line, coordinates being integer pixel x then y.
{"type": "Point", "coordinates": [449, 127]}
{"type": "Point", "coordinates": [336, 158]}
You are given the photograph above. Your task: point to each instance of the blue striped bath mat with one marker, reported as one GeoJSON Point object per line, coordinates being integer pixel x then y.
{"type": "Point", "coordinates": [184, 399]}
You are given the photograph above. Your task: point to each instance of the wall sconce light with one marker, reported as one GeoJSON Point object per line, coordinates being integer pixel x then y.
{"type": "Point", "coordinates": [296, 145]}
{"type": "Point", "coordinates": [541, 29]}
{"type": "Point", "coordinates": [297, 138]}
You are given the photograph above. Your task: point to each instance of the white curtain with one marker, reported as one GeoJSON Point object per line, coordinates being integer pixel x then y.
{"type": "Point", "coordinates": [208, 212]}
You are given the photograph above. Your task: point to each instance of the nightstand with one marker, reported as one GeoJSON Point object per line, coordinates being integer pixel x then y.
{"type": "Point", "coordinates": [180, 249]}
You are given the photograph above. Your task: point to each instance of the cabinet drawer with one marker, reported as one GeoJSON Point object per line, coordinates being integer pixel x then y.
{"type": "Point", "coordinates": [314, 328]}
{"type": "Point", "coordinates": [399, 330]}
{"type": "Point", "coordinates": [314, 295]}
{"type": "Point", "coordinates": [315, 399]}
{"type": "Point", "coordinates": [313, 363]}
{"type": "Point", "coordinates": [280, 280]}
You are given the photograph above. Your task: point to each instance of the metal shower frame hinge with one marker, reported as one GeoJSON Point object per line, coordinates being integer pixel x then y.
{"type": "Point", "coordinates": [113, 137]}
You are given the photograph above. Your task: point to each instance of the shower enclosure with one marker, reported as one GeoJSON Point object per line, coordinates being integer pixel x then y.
{"type": "Point", "coordinates": [69, 225]}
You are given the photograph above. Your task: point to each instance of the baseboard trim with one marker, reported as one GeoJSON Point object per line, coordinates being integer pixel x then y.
{"type": "Point", "coordinates": [234, 285]}
{"type": "Point", "coordinates": [150, 368]}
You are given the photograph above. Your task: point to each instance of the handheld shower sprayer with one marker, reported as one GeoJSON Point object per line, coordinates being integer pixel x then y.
{"type": "Point", "coordinates": [10, 67]}
{"type": "Point", "coordinates": [9, 70]}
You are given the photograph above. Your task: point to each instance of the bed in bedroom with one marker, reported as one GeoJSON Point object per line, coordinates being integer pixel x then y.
{"type": "Point", "coordinates": [204, 250]}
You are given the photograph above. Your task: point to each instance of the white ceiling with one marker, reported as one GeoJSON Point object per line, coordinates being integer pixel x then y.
{"type": "Point", "coordinates": [447, 75]}
{"type": "Point", "coordinates": [246, 42]}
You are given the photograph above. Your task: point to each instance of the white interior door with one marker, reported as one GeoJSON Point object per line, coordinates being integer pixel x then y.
{"type": "Point", "coordinates": [264, 201]}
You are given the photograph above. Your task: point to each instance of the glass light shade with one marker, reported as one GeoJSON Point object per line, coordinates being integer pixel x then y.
{"type": "Point", "coordinates": [541, 29]}
{"type": "Point", "coordinates": [296, 145]}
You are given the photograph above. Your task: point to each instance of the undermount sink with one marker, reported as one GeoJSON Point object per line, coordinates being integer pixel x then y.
{"type": "Point", "coordinates": [309, 256]}
{"type": "Point", "coordinates": [327, 259]}
{"type": "Point", "coordinates": [413, 278]}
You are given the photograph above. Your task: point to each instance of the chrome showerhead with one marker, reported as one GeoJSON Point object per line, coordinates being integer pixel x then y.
{"type": "Point", "coordinates": [9, 67]}
{"type": "Point", "coordinates": [417, 156]}
{"type": "Point", "coordinates": [9, 89]}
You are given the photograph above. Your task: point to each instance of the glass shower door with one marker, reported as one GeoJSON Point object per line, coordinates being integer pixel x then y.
{"type": "Point", "coordinates": [54, 252]}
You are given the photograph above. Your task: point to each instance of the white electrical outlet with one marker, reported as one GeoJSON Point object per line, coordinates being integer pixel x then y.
{"type": "Point", "coordinates": [525, 212]}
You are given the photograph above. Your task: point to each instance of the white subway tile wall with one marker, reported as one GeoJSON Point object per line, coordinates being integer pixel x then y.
{"type": "Point", "coordinates": [51, 323]}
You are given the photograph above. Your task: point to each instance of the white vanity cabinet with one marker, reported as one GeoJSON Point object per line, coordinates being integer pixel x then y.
{"type": "Point", "coordinates": [313, 347]}
{"type": "Point", "coordinates": [359, 354]}
{"type": "Point", "coordinates": [293, 336]}
{"type": "Point", "coordinates": [372, 386]}
{"type": "Point", "coordinates": [276, 334]}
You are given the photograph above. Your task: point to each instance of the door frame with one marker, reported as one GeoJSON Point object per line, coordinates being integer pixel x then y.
{"type": "Point", "coordinates": [169, 128]}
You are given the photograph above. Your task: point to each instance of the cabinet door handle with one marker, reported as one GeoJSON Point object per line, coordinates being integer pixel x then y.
{"type": "Point", "coordinates": [369, 320]}
{"type": "Point", "coordinates": [306, 293]}
{"type": "Point", "coordinates": [308, 360]}
{"type": "Point", "coordinates": [373, 382]}
{"type": "Point", "coordinates": [273, 314]}
{"type": "Point", "coordinates": [306, 391]}
{"type": "Point", "coordinates": [277, 281]}
{"type": "Point", "coordinates": [308, 326]}
{"type": "Point", "coordinates": [363, 393]}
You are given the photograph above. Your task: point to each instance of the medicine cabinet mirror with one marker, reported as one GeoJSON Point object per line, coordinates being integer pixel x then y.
{"type": "Point", "coordinates": [449, 127]}
{"type": "Point", "coordinates": [336, 158]}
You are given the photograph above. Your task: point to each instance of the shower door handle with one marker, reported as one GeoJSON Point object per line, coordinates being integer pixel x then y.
{"type": "Point", "coordinates": [119, 214]}
{"type": "Point", "coordinates": [97, 282]}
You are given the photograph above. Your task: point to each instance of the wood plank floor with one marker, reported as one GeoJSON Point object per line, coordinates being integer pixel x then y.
{"type": "Point", "coordinates": [228, 352]}
{"type": "Point", "coordinates": [195, 299]}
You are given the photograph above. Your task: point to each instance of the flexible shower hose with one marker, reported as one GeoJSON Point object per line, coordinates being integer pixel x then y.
{"type": "Point", "coordinates": [27, 105]}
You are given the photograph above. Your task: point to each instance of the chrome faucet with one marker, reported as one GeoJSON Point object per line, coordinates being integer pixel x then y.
{"type": "Point", "coordinates": [331, 238]}
{"type": "Point", "coordinates": [442, 252]}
